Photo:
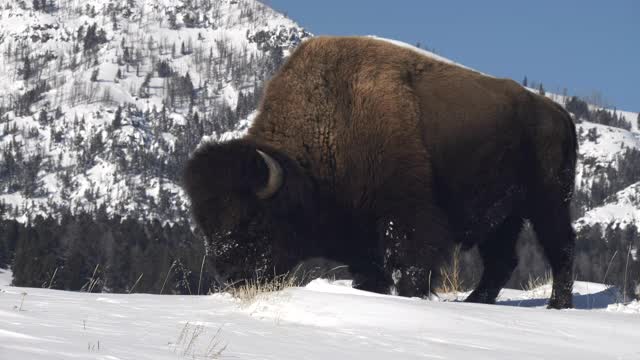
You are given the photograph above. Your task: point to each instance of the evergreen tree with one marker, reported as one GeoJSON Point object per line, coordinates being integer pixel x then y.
{"type": "Point", "coordinates": [524, 82]}
{"type": "Point", "coordinates": [42, 117]}
{"type": "Point", "coordinates": [4, 250]}
{"type": "Point", "coordinates": [94, 37]}
{"type": "Point", "coordinates": [114, 21]}
{"type": "Point", "coordinates": [117, 119]}
{"type": "Point", "coordinates": [164, 69]}
{"type": "Point", "coordinates": [579, 108]}
{"type": "Point", "coordinates": [541, 90]}
{"type": "Point", "coordinates": [144, 88]}
{"type": "Point", "coordinates": [172, 21]}
{"type": "Point", "coordinates": [27, 70]}
{"type": "Point", "coordinates": [94, 74]}
{"type": "Point", "coordinates": [36, 254]}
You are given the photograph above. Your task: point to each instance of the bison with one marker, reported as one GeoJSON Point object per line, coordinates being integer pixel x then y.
{"type": "Point", "coordinates": [383, 158]}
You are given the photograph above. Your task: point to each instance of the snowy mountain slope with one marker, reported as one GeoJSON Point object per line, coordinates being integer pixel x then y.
{"type": "Point", "coordinates": [181, 71]}
{"type": "Point", "coordinates": [177, 68]}
{"type": "Point", "coordinates": [601, 149]}
{"type": "Point", "coordinates": [621, 209]}
{"type": "Point", "coordinates": [320, 321]}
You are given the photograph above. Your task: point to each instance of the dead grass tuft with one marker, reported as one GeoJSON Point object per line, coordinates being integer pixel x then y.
{"type": "Point", "coordinates": [195, 342]}
{"type": "Point", "coordinates": [537, 282]}
{"type": "Point", "coordinates": [250, 290]}
{"type": "Point", "coordinates": [451, 274]}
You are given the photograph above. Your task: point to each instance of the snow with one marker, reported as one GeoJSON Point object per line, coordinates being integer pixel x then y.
{"type": "Point", "coordinates": [322, 320]}
{"type": "Point", "coordinates": [6, 277]}
{"type": "Point", "coordinates": [622, 209]}
{"type": "Point", "coordinates": [423, 52]}
{"type": "Point", "coordinates": [609, 143]}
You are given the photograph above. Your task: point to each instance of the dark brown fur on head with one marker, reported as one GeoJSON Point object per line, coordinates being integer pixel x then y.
{"type": "Point", "coordinates": [224, 180]}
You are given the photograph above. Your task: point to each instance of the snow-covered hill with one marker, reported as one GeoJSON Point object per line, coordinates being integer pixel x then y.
{"type": "Point", "coordinates": [101, 101]}
{"type": "Point", "coordinates": [321, 321]}
{"type": "Point", "coordinates": [602, 149]}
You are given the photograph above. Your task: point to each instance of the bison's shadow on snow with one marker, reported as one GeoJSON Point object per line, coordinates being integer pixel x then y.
{"type": "Point", "coordinates": [598, 300]}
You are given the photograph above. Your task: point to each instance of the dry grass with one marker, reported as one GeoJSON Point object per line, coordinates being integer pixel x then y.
{"type": "Point", "coordinates": [91, 283]}
{"type": "Point", "coordinates": [24, 294]}
{"type": "Point", "coordinates": [534, 283]}
{"type": "Point", "coordinates": [194, 342]}
{"type": "Point", "coordinates": [250, 290]}
{"type": "Point", "coordinates": [451, 275]}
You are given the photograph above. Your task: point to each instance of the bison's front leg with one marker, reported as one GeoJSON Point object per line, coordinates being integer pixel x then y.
{"type": "Point", "coordinates": [418, 249]}
{"type": "Point", "coordinates": [369, 278]}
{"type": "Point", "coordinates": [499, 258]}
{"type": "Point", "coordinates": [366, 261]}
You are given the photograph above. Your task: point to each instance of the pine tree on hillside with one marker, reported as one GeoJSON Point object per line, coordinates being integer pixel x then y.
{"type": "Point", "coordinates": [525, 81]}
{"type": "Point", "coordinates": [541, 90]}
{"type": "Point", "coordinates": [36, 256]}
{"type": "Point", "coordinates": [4, 251]}
{"type": "Point", "coordinates": [27, 70]}
{"type": "Point", "coordinates": [579, 108]}
{"type": "Point", "coordinates": [42, 117]}
{"type": "Point", "coordinates": [117, 119]}
{"type": "Point", "coordinates": [59, 112]}
{"type": "Point", "coordinates": [94, 74]}
{"type": "Point", "coordinates": [173, 21]}
{"type": "Point", "coordinates": [9, 232]}
{"type": "Point", "coordinates": [94, 37]}
{"type": "Point", "coordinates": [114, 21]}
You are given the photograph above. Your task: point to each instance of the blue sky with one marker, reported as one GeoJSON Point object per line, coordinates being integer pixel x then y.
{"type": "Point", "coordinates": [585, 46]}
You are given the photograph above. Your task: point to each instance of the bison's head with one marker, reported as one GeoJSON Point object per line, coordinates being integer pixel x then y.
{"type": "Point", "coordinates": [228, 185]}
{"type": "Point", "coordinates": [244, 197]}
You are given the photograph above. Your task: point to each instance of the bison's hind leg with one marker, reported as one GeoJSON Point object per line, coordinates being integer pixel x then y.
{"type": "Point", "coordinates": [552, 225]}
{"type": "Point", "coordinates": [499, 257]}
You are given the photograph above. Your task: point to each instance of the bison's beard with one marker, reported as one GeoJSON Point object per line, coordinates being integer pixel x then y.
{"type": "Point", "coordinates": [241, 254]}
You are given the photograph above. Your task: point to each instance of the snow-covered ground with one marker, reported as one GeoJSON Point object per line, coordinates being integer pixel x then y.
{"type": "Point", "coordinates": [5, 277]}
{"type": "Point", "coordinates": [319, 321]}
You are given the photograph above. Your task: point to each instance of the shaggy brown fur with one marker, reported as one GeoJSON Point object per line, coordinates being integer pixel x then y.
{"type": "Point", "coordinates": [382, 145]}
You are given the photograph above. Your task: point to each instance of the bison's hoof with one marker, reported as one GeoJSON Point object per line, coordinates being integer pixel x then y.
{"type": "Point", "coordinates": [564, 303]}
{"type": "Point", "coordinates": [480, 297]}
{"type": "Point", "coordinates": [371, 286]}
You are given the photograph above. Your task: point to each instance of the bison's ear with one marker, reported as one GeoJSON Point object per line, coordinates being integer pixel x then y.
{"type": "Point", "coordinates": [275, 177]}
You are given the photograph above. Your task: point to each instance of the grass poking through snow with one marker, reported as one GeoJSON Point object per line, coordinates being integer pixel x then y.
{"type": "Point", "coordinates": [195, 342]}
{"type": "Point", "coordinates": [250, 290]}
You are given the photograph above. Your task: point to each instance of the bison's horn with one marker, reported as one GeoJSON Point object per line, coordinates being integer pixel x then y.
{"type": "Point", "coordinates": [275, 177]}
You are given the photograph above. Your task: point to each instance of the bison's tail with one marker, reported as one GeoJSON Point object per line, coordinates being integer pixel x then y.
{"type": "Point", "coordinates": [570, 152]}
{"type": "Point", "coordinates": [553, 147]}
